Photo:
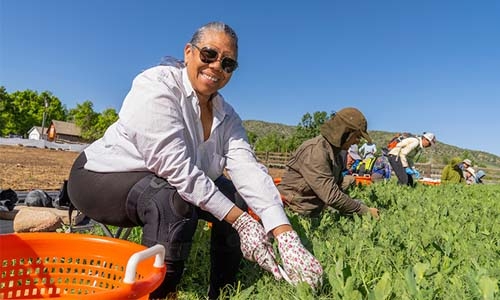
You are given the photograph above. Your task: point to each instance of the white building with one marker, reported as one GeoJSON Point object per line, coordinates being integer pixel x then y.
{"type": "Point", "coordinates": [35, 133]}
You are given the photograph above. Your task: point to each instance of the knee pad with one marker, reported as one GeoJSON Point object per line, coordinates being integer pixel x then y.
{"type": "Point", "coordinates": [167, 218]}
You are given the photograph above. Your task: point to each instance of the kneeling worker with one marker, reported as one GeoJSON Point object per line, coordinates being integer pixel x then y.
{"type": "Point", "coordinates": [313, 177]}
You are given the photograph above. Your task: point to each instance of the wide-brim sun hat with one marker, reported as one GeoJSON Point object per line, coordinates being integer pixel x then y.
{"type": "Point", "coordinates": [471, 170]}
{"type": "Point", "coordinates": [345, 121]}
{"type": "Point", "coordinates": [356, 120]}
{"type": "Point", "coordinates": [353, 152]}
{"type": "Point", "coordinates": [430, 137]}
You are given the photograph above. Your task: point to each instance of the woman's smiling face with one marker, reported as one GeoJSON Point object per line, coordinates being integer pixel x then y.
{"type": "Point", "coordinates": [208, 78]}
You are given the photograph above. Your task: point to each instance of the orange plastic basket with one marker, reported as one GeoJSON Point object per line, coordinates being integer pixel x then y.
{"type": "Point", "coordinates": [429, 181]}
{"type": "Point", "coordinates": [363, 179]}
{"type": "Point", "coordinates": [77, 266]}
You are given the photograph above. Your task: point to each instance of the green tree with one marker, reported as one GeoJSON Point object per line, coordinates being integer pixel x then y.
{"type": "Point", "coordinates": [84, 117]}
{"type": "Point", "coordinates": [104, 120]}
{"type": "Point", "coordinates": [55, 109]}
{"type": "Point", "coordinates": [22, 110]}
{"type": "Point", "coordinates": [309, 127]}
{"type": "Point", "coordinates": [271, 142]}
{"type": "Point", "coordinates": [252, 137]}
{"type": "Point", "coordinates": [5, 112]}
{"type": "Point", "coordinates": [289, 144]}
{"type": "Point", "coordinates": [92, 124]}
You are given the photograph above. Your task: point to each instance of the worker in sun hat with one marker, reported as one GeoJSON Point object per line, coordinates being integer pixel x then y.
{"type": "Point", "coordinates": [403, 155]}
{"type": "Point", "coordinates": [368, 150]}
{"type": "Point", "coordinates": [464, 165]}
{"type": "Point", "coordinates": [354, 153]}
{"type": "Point", "coordinates": [351, 160]}
{"type": "Point", "coordinates": [452, 173]}
{"type": "Point", "coordinates": [313, 177]}
{"type": "Point", "coordinates": [470, 175]}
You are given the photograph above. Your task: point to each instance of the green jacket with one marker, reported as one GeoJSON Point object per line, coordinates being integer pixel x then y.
{"type": "Point", "coordinates": [313, 178]}
{"type": "Point", "coordinates": [452, 173]}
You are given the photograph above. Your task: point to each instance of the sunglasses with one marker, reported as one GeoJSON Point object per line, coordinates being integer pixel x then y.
{"type": "Point", "coordinates": [209, 55]}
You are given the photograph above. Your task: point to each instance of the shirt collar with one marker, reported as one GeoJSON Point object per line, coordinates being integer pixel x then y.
{"type": "Point", "coordinates": [188, 88]}
{"type": "Point", "coordinates": [217, 105]}
{"type": "Point", "coordinates": [217, 100]}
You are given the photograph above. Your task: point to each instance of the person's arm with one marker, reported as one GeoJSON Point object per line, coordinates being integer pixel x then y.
{"type": "Point", "coordinates": [233, 214]}
{"type": "Point", "coordinates": [407, 145]}
{"type": "Point", "coordinates": [236, 212]}
{"type": "Point", "coordinates": [250, 178]}
{"type": "Point", "coordinates": [316, 169]}
{"type": "Point", "coordinates": [259, 191]}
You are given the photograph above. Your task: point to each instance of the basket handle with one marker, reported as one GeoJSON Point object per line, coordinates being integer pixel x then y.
{"type": "Point", "coordinates": [157, 250]}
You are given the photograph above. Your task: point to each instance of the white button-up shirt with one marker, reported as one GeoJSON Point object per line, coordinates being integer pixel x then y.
{"type": "Point", "coordinates": [159, 130]}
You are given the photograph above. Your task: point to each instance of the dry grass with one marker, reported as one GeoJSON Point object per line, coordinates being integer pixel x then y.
{"type": "Point", "coordinates": [23, 168]}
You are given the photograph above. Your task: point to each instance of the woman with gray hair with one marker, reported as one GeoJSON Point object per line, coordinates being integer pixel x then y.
{"type": "Point", "coordinates": [160, 166]}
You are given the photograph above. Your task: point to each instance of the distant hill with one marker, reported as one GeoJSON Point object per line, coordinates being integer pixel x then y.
{"type": "Point", "coordinates": [261, 128]}
{"type": "Point", "coordinates": [438, 154]}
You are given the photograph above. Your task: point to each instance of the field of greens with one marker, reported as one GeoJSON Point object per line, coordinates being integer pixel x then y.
{"type": "Point", "coordinates": [431, 242]}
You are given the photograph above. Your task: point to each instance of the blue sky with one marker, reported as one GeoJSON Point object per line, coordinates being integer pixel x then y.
{"type": "Point", "coordinates": [408, 65]}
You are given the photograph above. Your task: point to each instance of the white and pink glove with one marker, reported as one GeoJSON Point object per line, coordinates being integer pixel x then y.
{"type": "Point", "coordinates": [298, 262]}
{"type": "Point", "coordinates": [255, 244]}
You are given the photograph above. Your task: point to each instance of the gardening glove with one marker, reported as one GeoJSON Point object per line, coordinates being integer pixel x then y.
{"type": "Point", "coordinates": [299, 264]}
{"type": "Point", "coordinates": [409, 171]}
{"type": "Point", "coordinates": [255, 244]}
{"type": "Point", "coordinates": [416, 173]}
{"type": "Point", "coordinates": [364, 209]}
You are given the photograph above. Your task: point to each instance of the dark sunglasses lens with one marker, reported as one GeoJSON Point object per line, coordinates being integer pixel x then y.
{"type": "Point", "coordinates": [208, 55]}
{"type": "Point", "coordinates": [228, 64]}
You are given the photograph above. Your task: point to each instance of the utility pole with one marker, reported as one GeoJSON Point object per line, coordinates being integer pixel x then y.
{"type": "Point", "coordinates": [44, 114]}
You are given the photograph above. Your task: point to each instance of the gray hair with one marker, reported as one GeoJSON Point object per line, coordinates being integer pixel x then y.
{"type": "Point", "coordinates": [215, 26]}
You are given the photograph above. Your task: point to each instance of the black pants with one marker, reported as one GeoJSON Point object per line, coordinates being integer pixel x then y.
{"type": "Point", "coordinates": [131, 199]}
{"type": "Point", "coordinates": [399, 170]}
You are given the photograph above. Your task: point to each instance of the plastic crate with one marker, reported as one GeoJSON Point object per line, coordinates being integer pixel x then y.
{"type": "Point", "coordinates": [77, 266]}
{"type": "Point", "coordinates": [363, 179]}
{"type": "Point", "coordinates": [430, 181]}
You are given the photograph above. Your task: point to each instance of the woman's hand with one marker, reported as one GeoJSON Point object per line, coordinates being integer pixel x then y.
{"type": "Point", "coordinates": [365, 209]}
{"type": "Point", "coordinates": [374, 212]}
{"type": "Point", "coordinates": [299, 263]}
{"type": "Point", "coordinates": [255, 244]}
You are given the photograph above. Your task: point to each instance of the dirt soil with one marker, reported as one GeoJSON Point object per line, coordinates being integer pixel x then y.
{"type": "Point", "coordinates": [25, 168]}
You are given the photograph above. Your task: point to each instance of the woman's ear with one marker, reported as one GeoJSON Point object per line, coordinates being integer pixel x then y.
{"type": "Point", "coordinates": [188, 51]}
